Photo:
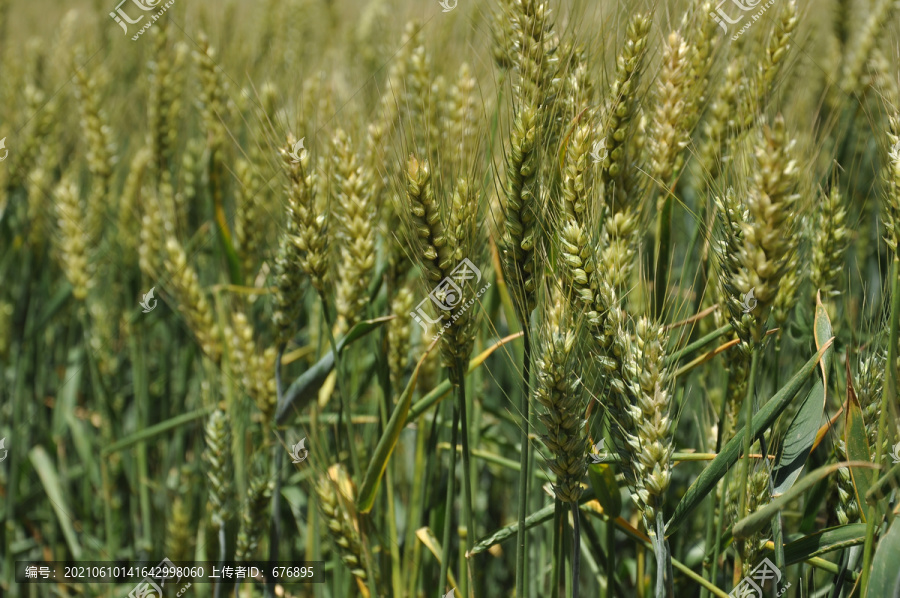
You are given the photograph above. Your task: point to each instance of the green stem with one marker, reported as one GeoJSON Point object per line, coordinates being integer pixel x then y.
{"type": "Point", "coordinates": [576, 547]}
{"type": "Point", "coordinates": [410, 544]}
{"type": "Point", "coordinates": [610, 558]}
{"type": "Point", "coordinates": [755, 352]}
{"type": "Point", "coordinates": [275, 520]}
{"type": "Point", "coordinates": [558, 514]}
{"type": "Point", "coordinates": [748, 435]}
{"type": "Point", "coordinates": [664, 228]}
{"type": "Point", "coordinates": [448, 509]}
{"type": "Point", "coordinates": [345, 414]}
{"type": "Point", "coordinates": [713, 522]}
{"type": "Point", "coordinates": [523, 472]}
{"type": "Point", "coordinates": [460, 375]}
{"type": "Point", "coordinates": [888, 395]}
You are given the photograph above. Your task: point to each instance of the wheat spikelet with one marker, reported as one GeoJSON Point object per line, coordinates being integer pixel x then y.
{"type": "Point", "coordinates": [702, 40]}
{"type": "Point", "coordinates": [73, 242]}
{"type": "Point", "coordinates": [40, 183]}
{"type": "Point", "coordinates": [179, 538]}
{"type": "Point", "coordinates": [253, 517]}
{"type": "Point", "coordinates": [776, 50]}
{"type": "Point", "coordinates": [129, 223]}
{"type": "Point", "coordinates": [622, 104]}
{"type": "Point", "coordinates": [576, 177]}
{"type": "Point", "coordinates": [720, 121]}
{"type": "Point", "coordinates": [250, 216]}
{"type": "Point", "coordinates": [643, 410]}
{"type": "Point", "coordinates": [425, 221]}
{"type": "Point", "coordinates": [522, 207]}
{"type": "Point", "coordinates": [220, 467]}
{"type": "Point", "coordinates": [336, 493]}
{"type": "Point", "coordinates": [307, 228]}
{"type": "Point", "coordinates": [761, 257]}
{"type": "Point", "coordinates": [37, 133]}
{"type": "Point", "coordinates": [100, 154]}
{"type": "Point", "coordinates": [669, 131]}
{"type": "Point", "coordinates": [891, 203]}
{"type": "Point", "coordinates": [399, 332]}
{"type": "Point", "coordinates": [191, 299]}
{"type": "Point", "coordinates": [255, 370]}
{"type": "Point", "coordinates": [559, 390]}
{"type": "Point", "coordinates": [830, 243]}
{"type": "Point", "coordinates": [356, 235]}
{"type": "Point", "coordinates": [865, 43]}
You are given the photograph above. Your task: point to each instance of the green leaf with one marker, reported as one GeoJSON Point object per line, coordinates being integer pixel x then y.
{"type": "Point", "coordinates": [827, 540]}
{"type": "Point", "coordinates": [727, 457]}
{"type": "Point", "coordinates": [510, 531]}
{"type": "Point", "coordinates": [146, 434]}
{"type": "Point", "coordinates": [751, 524]}
{"type": "Point", "coordinates": [50, 479]}
{"type": "Point", "coordinates": [885, 580]}
{"type": "Point", "coordinates": [603, 481]}
{"type": "Point", "coordinates": [305, 388]}
{"type": "Point", "coordinates": [884, 485]}
{"type": "Point", "coordinates": [799, 439]}
{"type": "Point", "coordinates": [857, 443]}
{"type": "Point", "coordinates": [369, 488]}
{"type": "Point", "coordinates": [822, 332]}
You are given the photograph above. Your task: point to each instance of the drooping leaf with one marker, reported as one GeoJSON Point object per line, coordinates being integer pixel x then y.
{"type": "Point", "coordinates": [885, 577]}
{"type": "Point", "coordinates": [754, 522]}
{"type": "Point", "coordinates": [825, 541]}
{"type": "Point", "coordinates": [857, 443]}
{"type": "Point", "coordinates": [727, 457]}
{"type": "Point", "coordinates": [50, 480]}
{"type": "Point", "coordinates": [799, 439]}
{"type": "Point", "coordinates": [884, 485]}
{"type": "Point", "coordinates": [369, 488]}
{"type": "Point", "coordinates": [536, 518]}
{"type": "Point", "coordinates": [603, 481]}
{"type": "Point", "coordinates": [430, 541]}
{"type": "Point", "coordinates": [306, 387]}
{"type": "Point", "coordinates": [822, 332]}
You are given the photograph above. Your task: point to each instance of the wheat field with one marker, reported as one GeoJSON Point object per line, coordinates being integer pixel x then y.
{"type": "Point", "coordinates": [450, 298]}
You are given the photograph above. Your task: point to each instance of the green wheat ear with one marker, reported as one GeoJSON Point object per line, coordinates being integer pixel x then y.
{"type": "Point", "coordinates": [560, 392]}
{"type": "Point", "coordinates": [254, 516]}
{"type": "Point", "coordinates": [219, 461]}
{"type": "Point", "coordinates": [336, 492]}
